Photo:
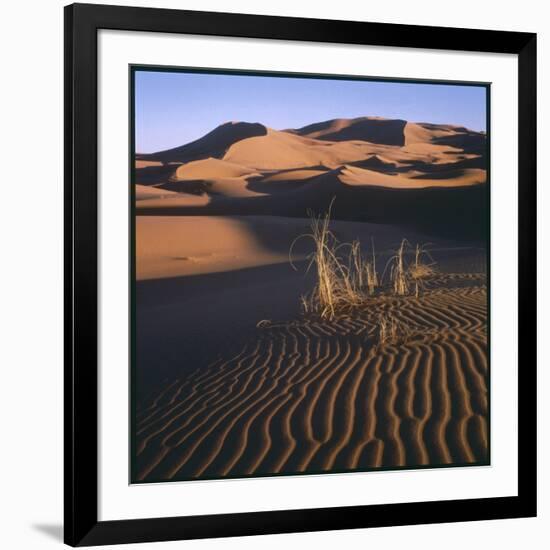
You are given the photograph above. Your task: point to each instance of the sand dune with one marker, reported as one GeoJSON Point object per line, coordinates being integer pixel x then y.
{"type": "Point", "coordinates": [329, 143]}
{"type": "Point", "coordinates": [352, 175]}
{"type": "Point", "coordinates": [372, 129]}
{"type": "Point", "coordinates": [388, 131]}
{"type": "Point", "coordinates": [230, 187]}
{"type": "Point", "coordinates": [283, 150]}
{"type": "Point", "coordinates": [283, 181]}
{"type": "Point", "coordinates": [378, 162]}
{"type": "Point", "coordinates": [250, 169]}
{"type": "Point", "coordinates": [145, 192]}
{"type": "Point", "coordinates": [293, 175]}
{"type": "Point", "coordinates": [155, 174]}
{"type": "Point", "coordinates": [216, 178]}
{"type": "Point", "coordinates": [425, 133]}
{"type": "Point", "coordinates": [173, 246]}
{"type": "Point", "coordinates": [169, 246]}
{"type": "Point", "coordinates": [178, 201]}
{"type": "Point", "coordinates": [211, 168]}
{"type": "Point", "coordinates": [214, 144]}
{"type": "Point", "coordinates": [212, 177]}
{"type": "Point", "coordinates": [316, 396]}
{"type": "Point", "coordinates": [423, 205]}
{"type": "Point", "coordinates": [223, 187]}
{"type": "Point", "coordinates": [145, 163]}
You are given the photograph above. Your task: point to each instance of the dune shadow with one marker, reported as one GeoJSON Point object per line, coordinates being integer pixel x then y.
{"type": "Point", "coordinates": [382, 131]}
{"type": "Point", "coordinates": [214, 144]}
{"type": "Point", "coordinates": [446, 175]}
{"type": "Point", "coordinates": [376, 164]}
{"type": "Point", "coordinates": [179, 319]}
{"type": "Point", "coordinates": [260, 185]}
{"type": "Point", "coordinates": [151, 175]}
{"type": "Point", "coordinates": [469, 142]}
{"type": "Point", "coordinates": [439, 170]}
{"type": "Point", "coordinates": [191, 187]}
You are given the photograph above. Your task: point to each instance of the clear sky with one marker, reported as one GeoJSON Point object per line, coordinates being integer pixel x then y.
{"type": "Point", "coordinates": [174, 108]}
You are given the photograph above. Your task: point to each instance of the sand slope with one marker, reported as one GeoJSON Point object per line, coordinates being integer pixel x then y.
{"type": "Point", "coordinates": [173, 246]}
{"type": "Point", "coordinates": [283, 150]}
{"type": "Point", "coordinates": [145, 192]}
{"type": "Point", "coordinates": [329, 144]}
{"type": "Point", "coordinates": [388, 131]}
{"type": "Point", "coordinates": [455, 208]}
{"type": "Point", "coordinates": [169, 246]}
{"type": "Point", "coordinates": [211, 168]}
{"type": "Point", "coordinates": [146, 163]}
{"type": "Point", "coordinates": [352, 175]}
{"type": "Point", "coordinates": [293, 175]}
{"type": "Point", "coordinates": [214, 144]}
{"type": "Point", "coordinates": [373, 129]}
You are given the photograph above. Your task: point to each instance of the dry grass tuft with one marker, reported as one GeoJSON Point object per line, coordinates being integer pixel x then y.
{"type": "Point", "coordinates": [344, 276]}
{"type": "Point", "coordinates": [370, 270]}
{"type": "Point", "coordinates": [421, 270]}
{"type": "Point", "coordinates": [398, 273]}
{"type": "Point", "coordinates": [403, 277]}
{"type": "Point", "coordinates": [390, 330]}
{"type": "Point", "coordinates": [347, 278]}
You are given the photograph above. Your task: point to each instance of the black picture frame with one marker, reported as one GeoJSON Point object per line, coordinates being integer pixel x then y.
{"type": "Point", "coordinates": [82, 23]}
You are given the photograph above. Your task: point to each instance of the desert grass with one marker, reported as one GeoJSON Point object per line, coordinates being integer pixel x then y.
{"type": "Point", "coordinates": [372, 275]}
{"type": "Point", "coordinates": [406, 278]}
{"type": "Point", "coordinates": [390, 330]}
{"type": "Point", "coordinates": [421, 270]}
{"type": "Point", "coordinates": [398, 273]}
{"type": "Point", "coordinates": [347, 277]}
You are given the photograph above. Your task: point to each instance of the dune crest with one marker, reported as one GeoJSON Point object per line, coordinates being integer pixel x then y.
{"type": "Point", "coordinates": [211, 168]}
{"type": "Point", "coordinates": [352, 175]}
{"type": "Point", "coordinates": [213, 144]}
{"type": "Point", "coordinates": [373, 129]}
{"type": "Point", "coordinates": [282, 150]}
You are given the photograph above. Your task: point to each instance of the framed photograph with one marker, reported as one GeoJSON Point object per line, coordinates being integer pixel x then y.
{"type": "Point", "coordinates": [300, 274]}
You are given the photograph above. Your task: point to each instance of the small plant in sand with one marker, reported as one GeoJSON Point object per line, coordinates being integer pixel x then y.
{"type": "Point", "coordinates": [398, 273]}
{"type": "Point", "coordinates": [362, 271]}
{"type": "Point", "coordinates": [372, 275]}
{"type": "Point", "coordinates": [421, 270]}
{"type": "Point", "coordinates": [389, 330]}
{"type": "Point", "coordinates": [403, 277]}
{"type": "Point", "coordinates": [342, 283]}
{"type": "Point", "coordinates": [347, 278]}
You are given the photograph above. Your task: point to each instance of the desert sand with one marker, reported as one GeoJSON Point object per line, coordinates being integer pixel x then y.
{"type": "Point", "coordinates": [233, 377]}
{"type": "Point", "coordinates": [317, 396]}
{"type": "Point", "coordinates": [171, 246]}
{"type": "Point", "coordinates": [440, 169]}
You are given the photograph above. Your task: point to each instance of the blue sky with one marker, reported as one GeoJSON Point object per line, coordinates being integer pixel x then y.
{"type": "Point", "coordinates": [174, 108]}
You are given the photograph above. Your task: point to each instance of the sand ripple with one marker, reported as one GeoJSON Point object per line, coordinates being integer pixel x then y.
{"type": "Point", "coordinates": [313, 396]}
